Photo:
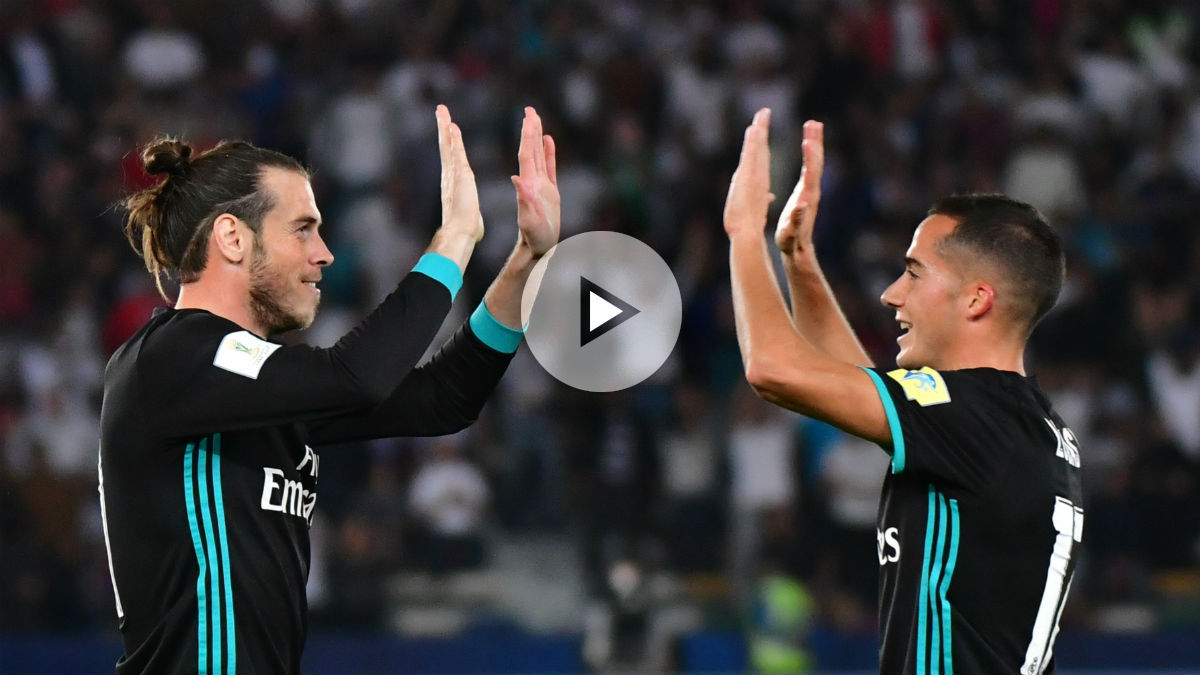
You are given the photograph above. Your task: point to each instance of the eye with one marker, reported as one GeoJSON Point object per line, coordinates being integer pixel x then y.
{"type": "Point", "coordinates": [910, 273]}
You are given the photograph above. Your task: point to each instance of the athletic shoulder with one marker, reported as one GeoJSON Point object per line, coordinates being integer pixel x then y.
{"type": "Point", "coordinates": [964, 388]}
{"type": "Point", "coordinates": [182, 341]}
{"type": "Point", "coordinates": [926, 387]}
{"type": "Point", "coordinates": [197, 323]}
{"type": "Point", "coordinates": [948, 423]}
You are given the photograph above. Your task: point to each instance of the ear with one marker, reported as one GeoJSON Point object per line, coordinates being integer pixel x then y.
{"type": "Point", "coordinates": [232, 238]}
{"type": "Point", "coordinates": [980, 300]}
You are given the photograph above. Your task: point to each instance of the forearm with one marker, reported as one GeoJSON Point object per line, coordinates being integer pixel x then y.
{"type": "Point", "coordinates": [781, 365]}
{"type": "Point", "coordinates": [765, 335]}
{"type": "Point", "coordinates": [815, 311]}
{"type": "Point", "coordinates": [503, 297]}
{"type": "Point", "coordinates": [382, 349]}
{"type": "Point", "coordinates": [440, 397]}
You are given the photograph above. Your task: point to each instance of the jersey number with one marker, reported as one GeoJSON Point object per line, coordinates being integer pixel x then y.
{"type": "Point", "coordinates": [1068, 523]}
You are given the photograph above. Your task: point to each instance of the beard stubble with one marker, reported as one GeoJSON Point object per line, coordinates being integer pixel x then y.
{"type": "Point", "coordinates": [267, 289]}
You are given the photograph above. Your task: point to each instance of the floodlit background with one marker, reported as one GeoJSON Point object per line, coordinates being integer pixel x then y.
{"type": "Point", "coordinates": [682, 525]}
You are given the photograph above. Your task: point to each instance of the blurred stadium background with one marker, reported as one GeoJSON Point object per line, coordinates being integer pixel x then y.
{"type": "Point", "coordinates": [682, 525]}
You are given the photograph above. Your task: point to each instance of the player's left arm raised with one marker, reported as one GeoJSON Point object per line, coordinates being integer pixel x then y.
{"type": "Point", "coordinates": [780, 364]}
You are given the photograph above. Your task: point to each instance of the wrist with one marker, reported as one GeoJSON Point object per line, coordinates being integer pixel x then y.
{"type": "Point", "coordinates": [455, 233]}
{"type": "Point", "coordinates": [520, 263]}
{"type": "Point", "coordinates": [523, 255]}
{"type": "Point", "coordinates": [747, 234]}
{"type": "Point", "coordinates": [801, 257]}
{"type": "Point", "coordinates": [453, 244]}
{"type": "Point", "coordinates": [739, 226]}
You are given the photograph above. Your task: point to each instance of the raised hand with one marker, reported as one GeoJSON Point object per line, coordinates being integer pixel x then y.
{"type": "Point", "coordinates": [460, 199]}
{"type": "Point", "coordinates": [539, 211]}
{"type": "Point", "coordinates": [795, 229]}
{"type": "Point", "coordinates": [750, 189]}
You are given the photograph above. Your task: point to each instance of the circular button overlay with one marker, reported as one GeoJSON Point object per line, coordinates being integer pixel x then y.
{"type": "Point", "coordinates": [606, 313]}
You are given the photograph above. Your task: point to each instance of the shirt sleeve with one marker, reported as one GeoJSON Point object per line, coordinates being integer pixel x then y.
{"type": "Point", "coordinates": [938, 426]}
{"type": "Point", "coordinates": [442, 396]}
{"type": "Point", "coordinates": [208, 374]}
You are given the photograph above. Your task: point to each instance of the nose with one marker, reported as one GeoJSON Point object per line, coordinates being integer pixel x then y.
{"type": "Point", "coordinates": [891, 295]}
{"type": "Point", "coordinates": [323, 257]}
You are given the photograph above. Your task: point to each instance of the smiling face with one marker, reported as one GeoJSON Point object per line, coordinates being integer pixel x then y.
{"type": "Point", "coordinates": [286, 267]}
{"type": "Point", "coordinates": [925, 298]}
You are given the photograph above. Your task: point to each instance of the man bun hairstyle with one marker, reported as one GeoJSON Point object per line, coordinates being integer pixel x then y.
{"type": "Point", "coordinates": [1015, 238]}
{"type": "Point", "coordinates": [169, 222]}
{"type": "Point", "coordinates": [167, 156]}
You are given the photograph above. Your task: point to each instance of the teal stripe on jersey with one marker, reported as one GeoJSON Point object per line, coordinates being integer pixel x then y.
{"type": "Point", "coordinates": [189, 492]}
{"type": "Point", "coordinates": [889, 409]}
{"type": "Point", "coordinates": [441, 269]}
{"type": "Point", "coordinates": [935, 573]}
{"type": "Point", "coordinates": [492, 333]}
{"type": "Point", "coordinates": [922, 607]}
{"type": "Point", "coordinates": [226, 570]}
{"type": "Point", "coordinates": [206, 518]}
{"type": "Point", "coordinates": [947, 651]}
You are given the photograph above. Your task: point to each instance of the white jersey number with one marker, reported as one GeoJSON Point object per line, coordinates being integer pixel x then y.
{"type": "Point", "coordinates": [1068, 523]}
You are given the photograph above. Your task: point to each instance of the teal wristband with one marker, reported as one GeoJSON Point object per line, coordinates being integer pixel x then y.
{"type": "Point", "coordinates": [493, 333]}
{"type": "Point", "coordinates": [442, 270]}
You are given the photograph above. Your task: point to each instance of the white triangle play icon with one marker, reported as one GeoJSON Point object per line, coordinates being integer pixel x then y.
{"type": "Point", "coordinates": [599, 311]}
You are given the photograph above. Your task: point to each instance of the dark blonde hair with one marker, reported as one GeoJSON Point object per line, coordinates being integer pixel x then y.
{"type": "Point", "coordinates": [168, 222]}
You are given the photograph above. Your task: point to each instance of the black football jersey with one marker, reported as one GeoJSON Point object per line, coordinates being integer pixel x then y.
{"type": "Point", "coordinates": [979, 523]}
{"type": "Point", "coordinates": [208, 473]}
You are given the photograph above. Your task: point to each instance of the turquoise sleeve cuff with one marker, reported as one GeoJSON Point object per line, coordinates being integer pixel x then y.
{"type": "Point", "coordinates": [442, 270]}
{"type": "Point", "coordinates": [889, 408]}
{"type": "Point", "coordinates": [493, 333]}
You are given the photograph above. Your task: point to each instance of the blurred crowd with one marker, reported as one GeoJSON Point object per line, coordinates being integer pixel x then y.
{"type": "Point", "coordinates": [1089, 109]}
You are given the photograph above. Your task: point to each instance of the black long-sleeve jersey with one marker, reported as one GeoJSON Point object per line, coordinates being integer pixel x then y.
{"type": "Point", "coordinates": [978, 524]}
{"type": "Point", "coordinates": [208, 477]}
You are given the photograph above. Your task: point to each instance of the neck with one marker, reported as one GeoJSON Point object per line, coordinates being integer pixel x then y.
{"type": "Point", "coordinates": [205, 293]}
{"type": "Point", "coordinates": [998, 354]}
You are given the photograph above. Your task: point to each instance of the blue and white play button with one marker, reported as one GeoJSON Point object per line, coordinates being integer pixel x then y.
{"type": "Point", "coordinates": [607, 312]}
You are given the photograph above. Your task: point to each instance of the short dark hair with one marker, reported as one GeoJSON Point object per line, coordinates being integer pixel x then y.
{"type": "Point", "coordinates": [167, 221]}
{"type": "Point", "coordinates": [1016, 238]}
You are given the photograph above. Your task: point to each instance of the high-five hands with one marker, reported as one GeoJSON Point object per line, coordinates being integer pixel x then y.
{"type": "Point", "coordinates": [794, 233]}
{"type": "Point", "coordinates": [539, 216]}
{"type": "Point", "coordinates": [460, 199]}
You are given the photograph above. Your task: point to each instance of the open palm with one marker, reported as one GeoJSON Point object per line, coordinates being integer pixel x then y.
{"type": "Point", "coordinates": [795, 228]}
{"type": "Point", "coordinates": [749, 194]}
{"type": "Point", "coordinates": [539, 211]}
{"type": "Point", "coordinates": [460, 199]}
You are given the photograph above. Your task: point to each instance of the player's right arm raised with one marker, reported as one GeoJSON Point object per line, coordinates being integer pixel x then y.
{"type": "Point", "coordinates": [814, 309]}
{"type": "Point", "coordinates": [782, 365]}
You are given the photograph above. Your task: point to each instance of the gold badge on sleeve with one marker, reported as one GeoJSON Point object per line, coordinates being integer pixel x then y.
{"type": "Point", "coordinates": [925, 386]}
